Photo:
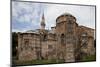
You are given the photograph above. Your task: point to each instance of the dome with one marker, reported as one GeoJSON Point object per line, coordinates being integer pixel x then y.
{"type": "Point", "coordinates": [65, 14]}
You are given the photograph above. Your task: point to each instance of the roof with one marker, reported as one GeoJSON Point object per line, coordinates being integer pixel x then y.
{"type": "Point", "coordinates": [32, 31]}
{"type": "Point", "coordinates": [65, 14]}
{"type": "Point", "coordinates": [81, 26]}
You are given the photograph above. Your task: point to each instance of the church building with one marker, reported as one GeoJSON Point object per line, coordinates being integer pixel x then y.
{"type": "Point", "coordinates": [67, 41]}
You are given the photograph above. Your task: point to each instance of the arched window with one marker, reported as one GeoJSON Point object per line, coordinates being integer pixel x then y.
{"type": "Point", "coordinates": [70, 27]}
{"type": "Point", "coordinates": [26, 43]}
{"type": "Point", "coordinates": [62, 39]}
{"type": "Point", "coordinates": [45, 37]}
{"type": "Point", "coordinates": [84, 39]}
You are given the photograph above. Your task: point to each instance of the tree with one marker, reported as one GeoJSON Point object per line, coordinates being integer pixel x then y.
{"type": "Point", "coordinates": [14, 43]}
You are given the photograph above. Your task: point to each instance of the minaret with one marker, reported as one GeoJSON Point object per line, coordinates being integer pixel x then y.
{"type": "Point", "coordinates": [43, 22]}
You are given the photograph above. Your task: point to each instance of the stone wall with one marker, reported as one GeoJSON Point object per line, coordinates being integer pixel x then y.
{"type": "Point", "coordinates": [66, 42]}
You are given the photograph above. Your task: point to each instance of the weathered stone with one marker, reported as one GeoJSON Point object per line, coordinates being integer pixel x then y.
{"type": "Point", "coordinates": [64, 42]}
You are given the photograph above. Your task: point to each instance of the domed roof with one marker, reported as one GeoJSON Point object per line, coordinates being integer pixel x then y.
{"type": "Point", "coordinates": [65, 14]}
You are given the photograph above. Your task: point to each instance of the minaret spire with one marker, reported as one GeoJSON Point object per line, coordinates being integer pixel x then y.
{"type": "Point", "coordinates": [43, 22]}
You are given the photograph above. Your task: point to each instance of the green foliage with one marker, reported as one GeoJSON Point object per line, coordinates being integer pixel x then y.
{"type": "Point", "coordinates": [53, 61]}
{"type": "Point", "coordinates": [14, 43]}
{"type": "Point", "coordinates": [89, 58]}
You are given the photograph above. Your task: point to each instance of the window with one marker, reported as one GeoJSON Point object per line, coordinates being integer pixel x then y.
{"type": "Point", "coordinates": [26, 42]}
{"type": "Point", "coordinates": [84, 40]}
{"type": "Point", "coordinates": [45, 37]}
{"type": "Point", "coordinates": [50, 46]}
{"type": "Point", "coordinates": [84, 37]}
{"type": "Point", "coordinates": [62, 39]}
{"type": "Point", "coordinates": [70, 27]}
{"type": "Point", "coordinates": [84, 44]}
{"type": "Point", "coordinates": [84, 34]}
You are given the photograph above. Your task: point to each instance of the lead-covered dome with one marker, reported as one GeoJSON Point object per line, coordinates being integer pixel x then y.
{"type": "Point", "coordinates": [66, 15]}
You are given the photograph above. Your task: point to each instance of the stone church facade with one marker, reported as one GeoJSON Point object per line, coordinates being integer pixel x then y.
{"type": "Point", "coordinates": [67, 41]}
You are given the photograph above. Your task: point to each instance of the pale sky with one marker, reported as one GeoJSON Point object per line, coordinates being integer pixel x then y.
{"type": "Point", "coordinates": [27, 15]}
